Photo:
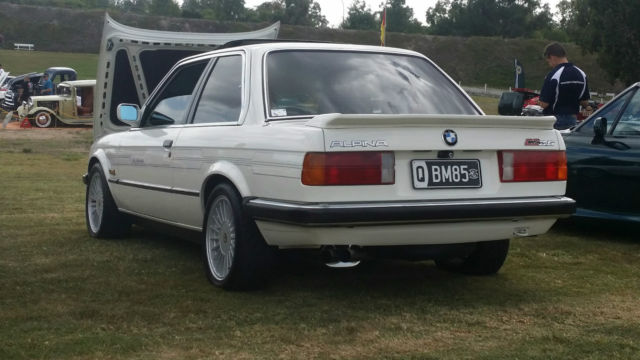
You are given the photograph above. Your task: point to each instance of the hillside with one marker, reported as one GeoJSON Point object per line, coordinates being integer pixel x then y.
{"type": "Point", "coordinates": [471, 61]}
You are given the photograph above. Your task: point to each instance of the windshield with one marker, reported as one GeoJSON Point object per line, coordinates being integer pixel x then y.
{"type": "Point", "coordinates": [304, 83]}
{"type": "Point", "coordinates": [63, 90]}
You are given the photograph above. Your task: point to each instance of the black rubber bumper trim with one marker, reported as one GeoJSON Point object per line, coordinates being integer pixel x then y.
{"type": "Point", "coordinates": [314, 214]}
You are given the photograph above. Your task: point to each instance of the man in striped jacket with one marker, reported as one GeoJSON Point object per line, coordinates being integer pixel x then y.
{"type": "Point", "coordinates": [565, 88]}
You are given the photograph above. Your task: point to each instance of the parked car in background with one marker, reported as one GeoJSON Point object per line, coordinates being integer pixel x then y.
{"type": "Point", "coordinates": [72, 105]}
{"type": "Point", "coordinates": [603, 158]}
{"type": "Point", "coordinates": [352, 150]}
{"type": "Point", "coordinates": [4, 84]}
{"type": "Point", "coordinates": [10, 100]}
{"type": "Point", "coordinates": [56, 74]}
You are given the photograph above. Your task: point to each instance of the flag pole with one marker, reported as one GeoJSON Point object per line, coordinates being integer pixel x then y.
{"type": "Point", "coordinates": [383, 26]}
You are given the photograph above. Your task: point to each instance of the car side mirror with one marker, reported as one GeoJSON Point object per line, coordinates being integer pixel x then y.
{"type": "Point", "coordinates": [599, 130]}
{"type": "Point", "coordinates": [128, 114]}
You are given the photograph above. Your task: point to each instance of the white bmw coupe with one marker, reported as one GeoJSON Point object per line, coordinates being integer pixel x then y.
{"type": "Point", "coordinates": [351, 150]}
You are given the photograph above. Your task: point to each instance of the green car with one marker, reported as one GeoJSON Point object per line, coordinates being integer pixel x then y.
{"type": "Point", "coordinates": [603, 159]}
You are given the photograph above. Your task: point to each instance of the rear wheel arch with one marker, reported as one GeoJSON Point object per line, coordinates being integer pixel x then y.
{"type": "Point", "coordinates": [220, 172]}
{"type": "Point", "coordinates": [210, 183]}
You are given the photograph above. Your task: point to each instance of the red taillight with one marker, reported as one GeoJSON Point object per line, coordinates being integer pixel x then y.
{"type": "Point", "coordinates": [349, 168]}
{"type": "Point", "coordinates": [532, 166]}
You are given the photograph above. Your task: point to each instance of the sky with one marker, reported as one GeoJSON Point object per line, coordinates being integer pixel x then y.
{"type": "Point", "coordinates": [333, 9]}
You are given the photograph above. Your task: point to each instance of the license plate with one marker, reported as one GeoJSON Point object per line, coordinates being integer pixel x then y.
{"type": "Point", "coordinates": [442, 174]}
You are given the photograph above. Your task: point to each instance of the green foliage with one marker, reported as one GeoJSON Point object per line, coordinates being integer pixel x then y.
{"type": "Point", "coordinates": [291, 12]}
{"type": "Point", "coordinates": [611, 29]}
{"type": "Point", "coordinates": [400, 18]}
{"type": "Point", "coordinates": [303, 12]}
{"type": "Point", "coordinates": [507, 18]}
{"type": "Point", "coordinates": [164, 8]}
{"type": "Point", "coordinates": [135, 6]}
{"type": "Point", "coordinates": [360, 17]}
{"type": "Point", "coordinates": [268, 11]}
{"type": "Point", "coordinates": [221, 10]}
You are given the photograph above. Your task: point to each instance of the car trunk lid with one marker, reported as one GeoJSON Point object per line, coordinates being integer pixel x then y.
{"type": "Point", "coordinates": [459, 153]}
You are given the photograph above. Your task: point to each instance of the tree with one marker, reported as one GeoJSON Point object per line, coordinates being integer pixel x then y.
{"type": "Point", "coordinates": [164, 8]}
{"type": "Point", "coordinates": [223, 10]}
{"type": "Point", "coordinates": [292, 12]}
{"type": "Point", "coordinates": [400, 17]}
{"type": "Point", "coordinates": [191, 9]}
{"type": "Point", "coordinates": [508, 18]}
{"type": "Point", "coordinates": [611, 29]}
{"type": "Point", "coordinates": [136, 6]}
{"type": "Point", "coordinates": [269, 11]}
{"type": "Point", "coordinates": [360, 17]}
{"type": "Point", "coordinates": [303, 12]}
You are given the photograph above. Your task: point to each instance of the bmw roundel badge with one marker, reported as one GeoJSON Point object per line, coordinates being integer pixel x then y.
{"type": "Point", "coordinates": [450, 137]}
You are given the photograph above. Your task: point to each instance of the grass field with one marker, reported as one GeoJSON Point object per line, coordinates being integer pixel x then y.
{"type": "Point", "coordinates": [21, 62]}
{"type": "Point", "coordinates": [571, 294]}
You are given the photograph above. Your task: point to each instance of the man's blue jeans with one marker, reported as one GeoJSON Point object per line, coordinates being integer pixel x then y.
{"type": "Point", "coordinates": [565, 121]}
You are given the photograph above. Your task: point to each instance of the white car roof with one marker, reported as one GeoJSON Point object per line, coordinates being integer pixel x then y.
{"type": "Point", "coordinates": [295, 45]}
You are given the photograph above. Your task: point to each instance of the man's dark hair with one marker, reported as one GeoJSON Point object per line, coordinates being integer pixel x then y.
{"type": "Point", "coordinates": [554, 49]}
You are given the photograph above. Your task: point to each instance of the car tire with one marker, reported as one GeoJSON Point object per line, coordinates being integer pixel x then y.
{"type": "Point", "coordinates": [43, 119]}
{"type": "Point", "coordinates": [235, 255]}
{"type": "Point", "coordinates": [486, 259]}
{"type": "Point", "coordinates": [101, 213]}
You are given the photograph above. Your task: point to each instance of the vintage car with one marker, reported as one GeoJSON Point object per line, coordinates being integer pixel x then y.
{"type": "Point", "coordinates": [352, 150]}
{"type": "Point", "coordinates": [57, 75]}
{"type": "Point", "coordinates": [603, 158]}
{"type": "Point", "coordinates": [72, 105]}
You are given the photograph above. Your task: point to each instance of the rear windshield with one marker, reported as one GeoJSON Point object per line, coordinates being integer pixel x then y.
{"type": "Point", "coordinates": [305, 83]}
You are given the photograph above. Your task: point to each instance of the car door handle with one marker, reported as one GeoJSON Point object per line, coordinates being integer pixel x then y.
{"type": "Point", "coordinates": [167, 144]}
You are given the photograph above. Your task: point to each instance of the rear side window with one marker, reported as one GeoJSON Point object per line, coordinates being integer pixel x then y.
{"type": "Point", "coordinates": [171, 105]}
{"type": "Point", "coordinates": [221, 99]}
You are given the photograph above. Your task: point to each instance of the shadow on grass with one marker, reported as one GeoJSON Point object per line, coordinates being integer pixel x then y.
{"type": "Point", "coordinates": [599, 230]}
{"type": "Point", "coordinates": [302, 275]}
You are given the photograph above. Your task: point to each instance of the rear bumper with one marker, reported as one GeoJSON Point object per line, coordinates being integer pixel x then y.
{"type": "Point", "coordinates": [367, 213]}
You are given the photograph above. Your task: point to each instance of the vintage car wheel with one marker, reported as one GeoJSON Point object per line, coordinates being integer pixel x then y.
{"type": "Point", "coordinates": [486, 259]}
{"type": "Point", "coordinates": [102, 216]}
{"type": "Point", "coordinates": [235, 254]}
{"type": "Point", "coordinates": [43, 119]}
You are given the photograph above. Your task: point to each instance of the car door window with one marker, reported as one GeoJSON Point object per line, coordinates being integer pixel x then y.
{"type": "Point", "coordinates": [629, 123]}
{"type": "Point", "coordinates": [171, 105]}
{"type": "Point", "coordinates": [221, 99]}
{"type": "Point", "coordinates": [610, 112]}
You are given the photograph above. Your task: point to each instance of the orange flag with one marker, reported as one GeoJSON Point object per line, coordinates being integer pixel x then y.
{"type": "Point", "coordinates": [383, 27]}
